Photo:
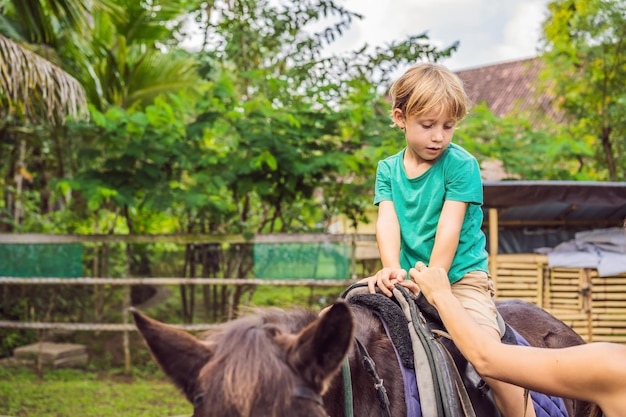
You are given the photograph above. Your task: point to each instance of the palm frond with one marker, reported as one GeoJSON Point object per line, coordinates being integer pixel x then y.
{"type": "Point", "coordinates": [34, 88]}
{"type": "Point", "coordinates": [161, 73]}
{"type": "Point", "coordinates": [43, 20]}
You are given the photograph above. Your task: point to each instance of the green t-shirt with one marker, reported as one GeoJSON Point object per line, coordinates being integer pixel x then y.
{"type": "Point", "coordinates": [418, 202]}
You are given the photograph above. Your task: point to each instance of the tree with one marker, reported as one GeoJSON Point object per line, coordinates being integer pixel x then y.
{"type": "Point", "coordinates": [281, 138]}
{"type": "Point", "coordinates": [120, 53]}
{"type": "Point", "coordinates": [286, 110]}
{"type": "Point", "coordinates": [585, 57]}
{"type": "Point", "coordinates": [35, 89]}
{"type": "Point", "coordinates": [555, 155]}
{"type": "Point", "coordinates": [295, 130]}
{"type": "Point", "coordinates": [132, 56]}
{"type": "Point", "coordinates": [33, 86]}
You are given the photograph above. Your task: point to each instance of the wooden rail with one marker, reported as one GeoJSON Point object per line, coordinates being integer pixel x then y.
{"type": "Point", "coordinates": [176, 281]}
{"type": "Point", "coordinates": [359, 245]}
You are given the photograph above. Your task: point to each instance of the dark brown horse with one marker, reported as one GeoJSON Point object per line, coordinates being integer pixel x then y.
{"type": "Point", "coordinates": [285, 363]}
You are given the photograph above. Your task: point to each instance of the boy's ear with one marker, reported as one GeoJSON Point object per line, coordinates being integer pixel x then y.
{"type": "Point", "coordinates": [398, 117]}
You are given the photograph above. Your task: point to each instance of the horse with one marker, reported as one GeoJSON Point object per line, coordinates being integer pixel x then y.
{"type": "Point", "coordinates": [287, 362]}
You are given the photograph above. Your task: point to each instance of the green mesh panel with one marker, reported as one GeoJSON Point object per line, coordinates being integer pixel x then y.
{"type": "Point", "coordinates": [41, 260]}
{"type": "Point", "coordinates": [302, 260]}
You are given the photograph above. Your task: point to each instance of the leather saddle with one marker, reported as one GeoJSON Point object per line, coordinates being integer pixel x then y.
{"type": "Point", "coordinates": [447, 383]}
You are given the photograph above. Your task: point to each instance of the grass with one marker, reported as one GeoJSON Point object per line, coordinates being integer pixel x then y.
{"type": "Point", "coordinates": [103, 390]}
{"type": "Point", "coordinates": [287, 297]}
{"type": "Point", "coordinates": [72, 392]}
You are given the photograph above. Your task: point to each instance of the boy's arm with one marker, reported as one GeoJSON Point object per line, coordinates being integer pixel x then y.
{"type": "Point", "coordinates": [388, 239]}
{"type": "Point", "coordinates": [388, 234]}
{"type": "Point", "coordinates": [448, 234]}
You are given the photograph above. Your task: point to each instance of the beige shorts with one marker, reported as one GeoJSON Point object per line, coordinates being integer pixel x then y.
{"type": "Point", "coordinates": [475, 291]}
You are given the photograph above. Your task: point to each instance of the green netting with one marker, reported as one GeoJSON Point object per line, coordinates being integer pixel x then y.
{"type": "Point", "coordinates": [302, 260]}
{"type": "Point", "coordinates": [41, 260]}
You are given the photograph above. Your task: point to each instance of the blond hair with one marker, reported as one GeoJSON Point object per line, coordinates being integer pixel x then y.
{"type": "Point", "coordinates": [426, 87]}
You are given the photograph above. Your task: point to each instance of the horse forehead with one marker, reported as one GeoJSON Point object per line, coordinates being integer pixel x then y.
{"type": "Point", "coordinates": [247, 385]}
{"type": "Point", "coordinates": [241, 333]}
{"type": "Point", "coordinates": [249, 353]}
{"type": "Point", "coordinates": [248, 370]}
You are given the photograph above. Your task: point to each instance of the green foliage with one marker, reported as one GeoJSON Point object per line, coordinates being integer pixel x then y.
{"type": "Point", "coordinates": [276, 157]}
{"type": "Point", "coordinates": [531, 151]}
{"type": "Point", "coordinates": [258, 132]}
{"type": "Point", "coordinates": [39, 21]}
{"type": "Point", "coordinates": [292, 121]}
{"type": "Point", "coordinates": [134, 159]}
{"type": "Point", "coordinates": [278, 121]}
{"type": "Point", "coordinates": [289, 297]}
{"type": "Point", "coordinates": [131, 57]}
{"type": "Point", "coordinates": [585, 61]}
{"type": "Point", "coordinates": [13, 338]}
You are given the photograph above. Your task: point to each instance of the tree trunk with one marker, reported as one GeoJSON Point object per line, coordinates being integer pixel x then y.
{"type": "Point", "coordinates": [607, 146]}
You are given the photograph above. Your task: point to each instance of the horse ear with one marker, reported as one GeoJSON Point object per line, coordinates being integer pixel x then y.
{"type": "Point", "coordinates": [178, 353]}
{"type": "Point", "coordinates": [320, 348]}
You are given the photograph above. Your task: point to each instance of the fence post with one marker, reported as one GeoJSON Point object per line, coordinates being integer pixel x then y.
{"type": "Point", "coordinates": [125, 307]}
{"type": "Point", "coordinates": [493, 246]}
{"type": "Point", "coordinates": [353, 257]}
{"type": "Point", "coordinates": [587, 294]}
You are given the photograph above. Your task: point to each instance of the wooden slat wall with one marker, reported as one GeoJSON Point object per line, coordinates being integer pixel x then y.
{"type": "Point", "coordinates": [563, 289]}
{"type": "Point", "coordinates": [608, 299]}
{"type": "Point", "coordinates": [594, 307]}
{"type": "Point", "coordinates": [519, 276]}
{"type": "Point", "coordinates": [563, 297]}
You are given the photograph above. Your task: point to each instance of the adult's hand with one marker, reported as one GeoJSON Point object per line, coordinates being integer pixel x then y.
{"type": "Point", "coordinates": [428, 280]}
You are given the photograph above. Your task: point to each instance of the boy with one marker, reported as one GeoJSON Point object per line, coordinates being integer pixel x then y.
{"type": "Point", "coordinates": [429, 199]}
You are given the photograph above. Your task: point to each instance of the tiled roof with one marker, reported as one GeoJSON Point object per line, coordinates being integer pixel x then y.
{"type": "Point", "coordinates": [509, 87]}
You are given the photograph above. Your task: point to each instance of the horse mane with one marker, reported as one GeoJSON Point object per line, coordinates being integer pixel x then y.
{"type": "Point", "coordinates": [249, 353]}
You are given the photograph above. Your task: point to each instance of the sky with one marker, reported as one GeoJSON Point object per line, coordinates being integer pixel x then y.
{"type": "Point", "coordinates": [489, 31]}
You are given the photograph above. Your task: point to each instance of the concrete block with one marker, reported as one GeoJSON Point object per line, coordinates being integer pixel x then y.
{"type": "Point", "coordinates": [55, 354]}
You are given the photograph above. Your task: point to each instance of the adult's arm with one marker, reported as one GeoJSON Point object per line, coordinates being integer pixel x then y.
{"type": "Point", "coordinates": [593, 372]}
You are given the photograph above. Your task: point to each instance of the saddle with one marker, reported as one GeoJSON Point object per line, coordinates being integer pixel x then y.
{"type": "Point", "coordinates": [439, 381]}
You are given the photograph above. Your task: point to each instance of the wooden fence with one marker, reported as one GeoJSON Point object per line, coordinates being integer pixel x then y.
{"type": "Point", "coordinates": [360, 260]}
{"type": "Point", "coordinates": [594, 307]}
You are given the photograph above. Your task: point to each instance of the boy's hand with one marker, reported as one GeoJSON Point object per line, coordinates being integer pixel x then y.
{"type": "Point", "coordinates": [430, 280]}
{"type": "Point", "coordinates": [385, 279]}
